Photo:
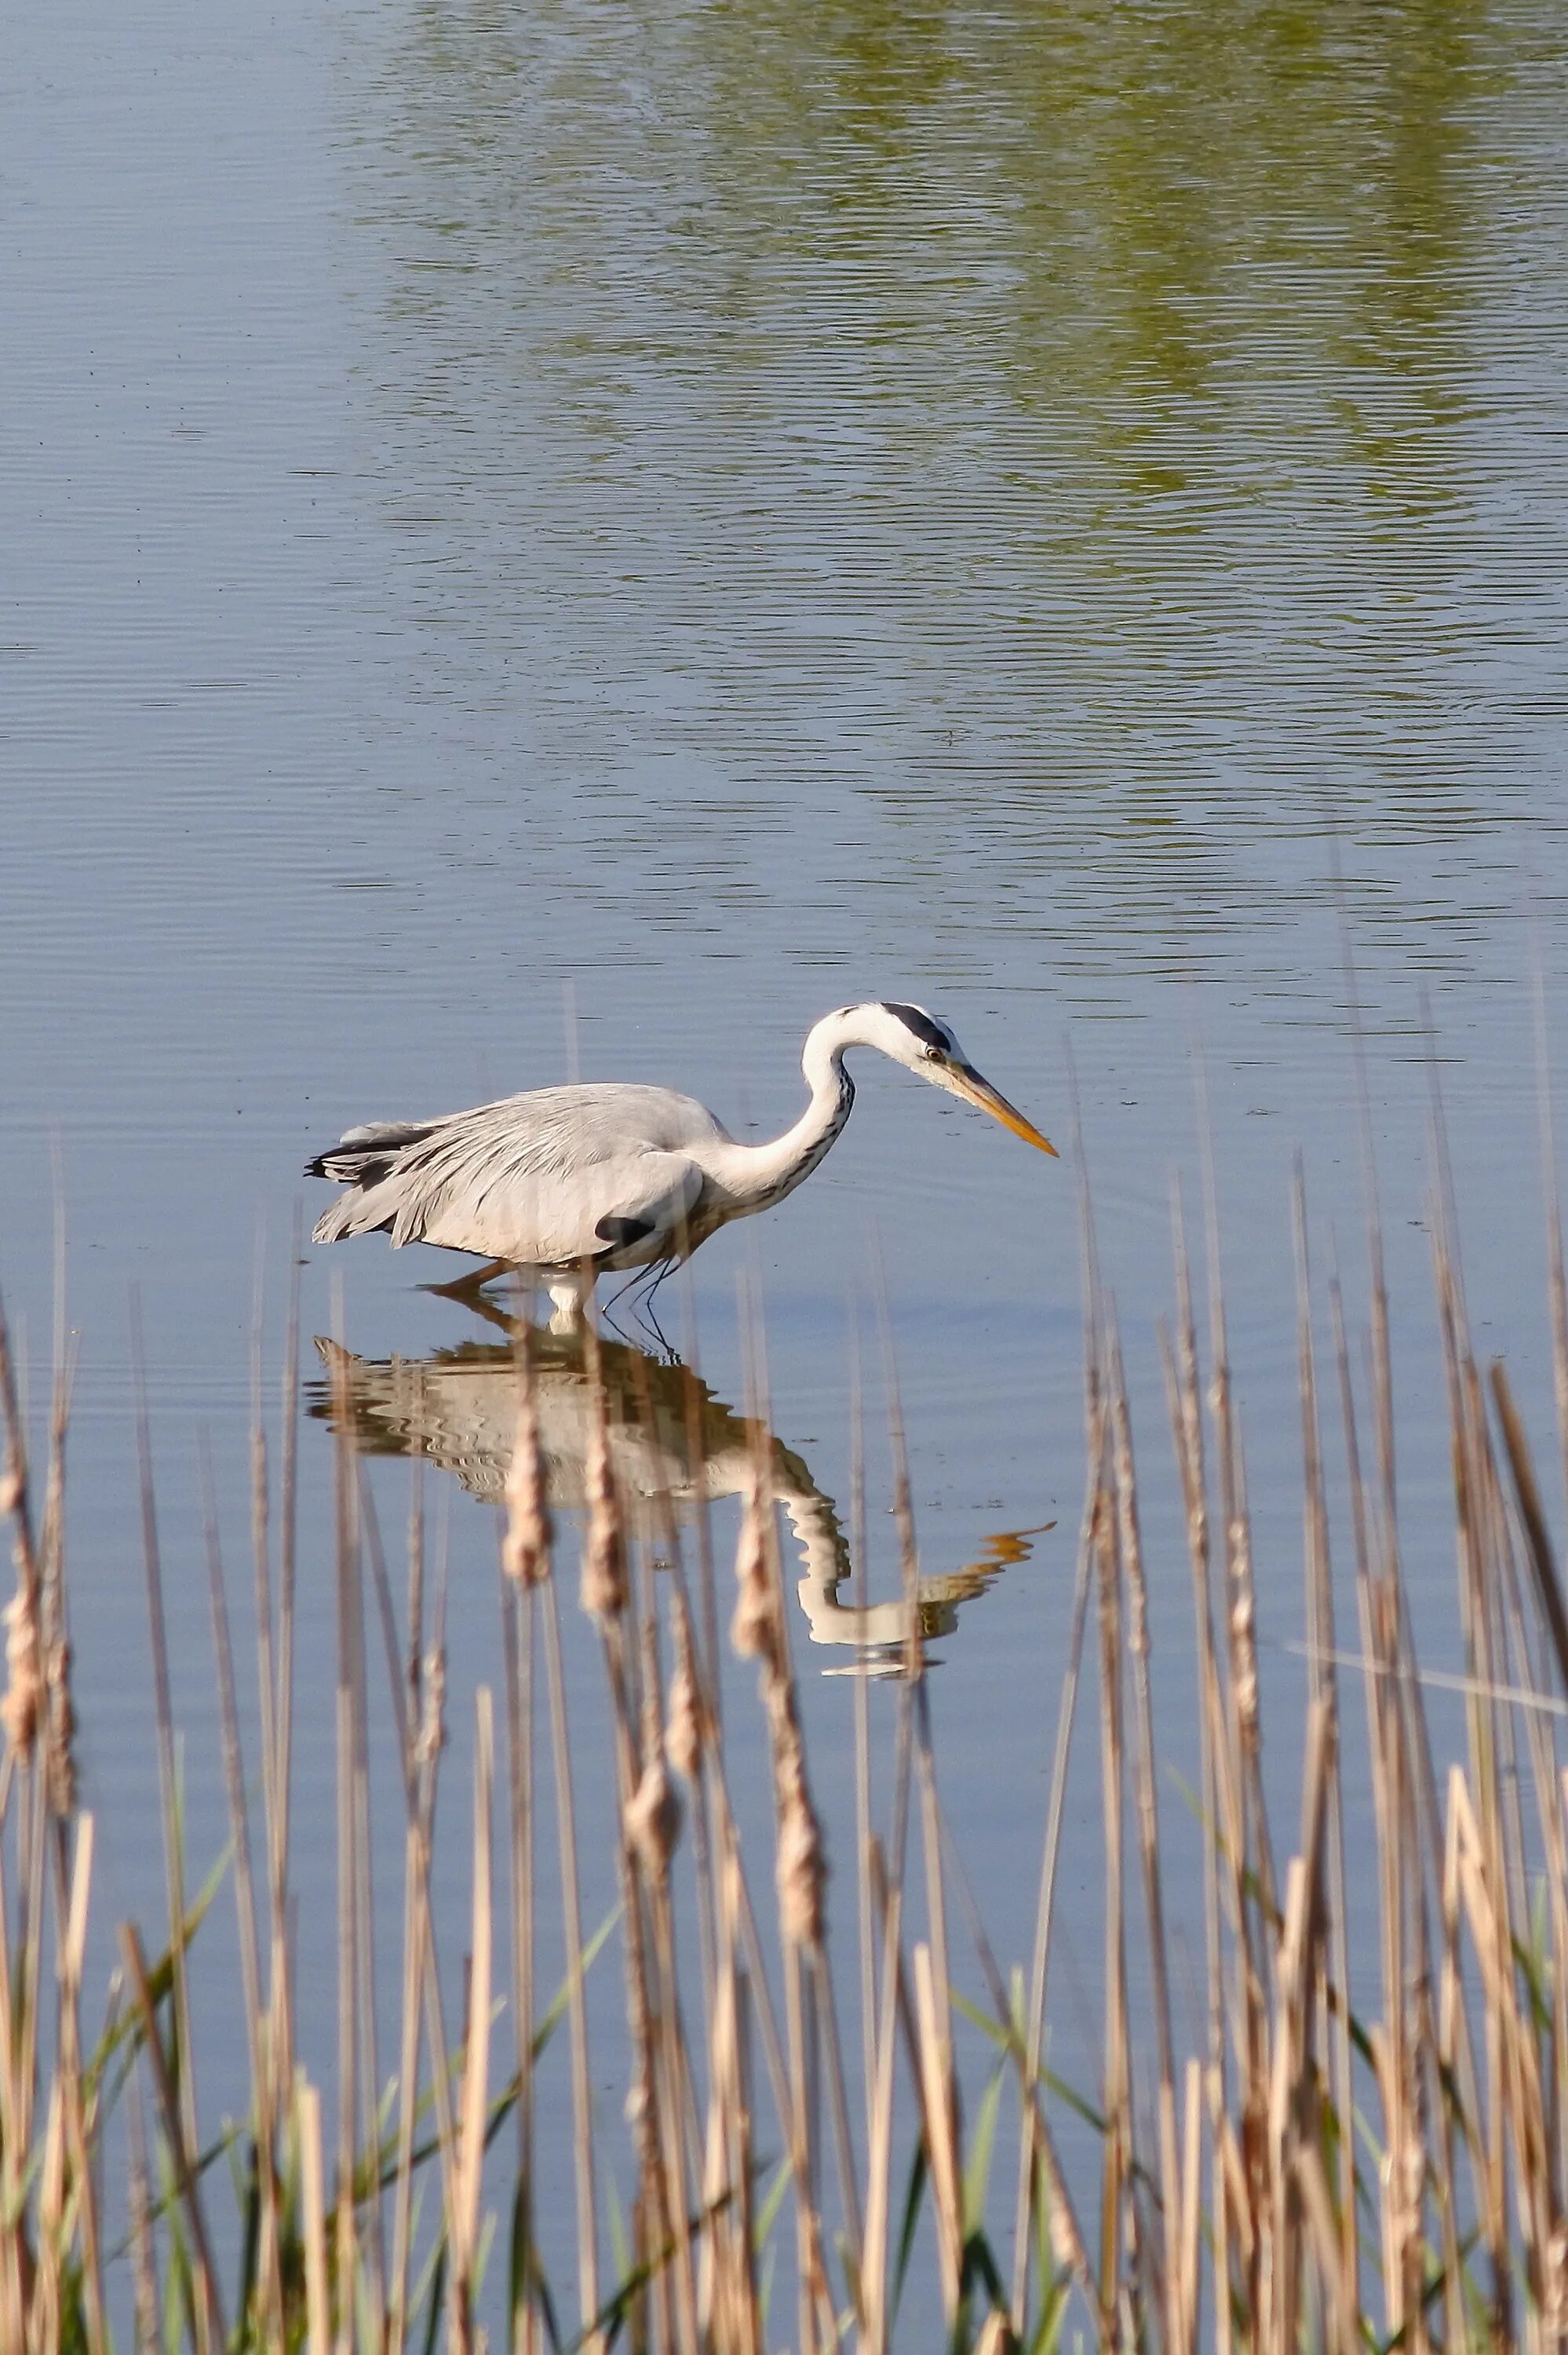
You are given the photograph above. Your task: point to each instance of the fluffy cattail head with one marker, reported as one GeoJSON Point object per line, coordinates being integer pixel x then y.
{"type": "Point", "coordinates": [683, 1734]}
{"type": "Point", "coordinates": [755, 1630]}
{"type": "Point", "coordinates": [525, 1548]}
{"type": "Point", "coordinates": [24, 1701]}
{"type": "Point", "coordinates": [653, 1819]}
{"type": "Point", "coordinates": [802, 1871]}
{"type": "Point", "coordinates": [59, 1728]}
{"type": "Point", "coordinates": [431, 1736]}
{"type": "Point", "coordinates": [603, 1592]}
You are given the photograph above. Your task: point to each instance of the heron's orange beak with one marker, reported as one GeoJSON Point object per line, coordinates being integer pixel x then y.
{"type": "Point", "coordinates": [967, 1082]}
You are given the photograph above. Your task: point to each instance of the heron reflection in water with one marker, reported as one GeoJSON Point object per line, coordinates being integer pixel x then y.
{"type": "Point", "coordinates": [673, 1447]}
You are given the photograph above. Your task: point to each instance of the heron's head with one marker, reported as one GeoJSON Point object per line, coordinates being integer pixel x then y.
{"type": "Point", "coordinates": [923, 1042]}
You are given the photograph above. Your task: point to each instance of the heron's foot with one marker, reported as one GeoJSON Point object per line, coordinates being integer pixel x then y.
{"type": "Point", "coordinates": [470, 1292]}
{"type": "Point", "coordinates": [466, 1288]}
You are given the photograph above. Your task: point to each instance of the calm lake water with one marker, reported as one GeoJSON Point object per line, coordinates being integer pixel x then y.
{"type": "Point", "coordinates": [582, 537]}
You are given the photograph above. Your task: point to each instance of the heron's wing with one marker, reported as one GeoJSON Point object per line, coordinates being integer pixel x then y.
{"type": "Point", "coordinates": [473, 1193]}
{"type": "Point", "coordinates": [530, 1177]}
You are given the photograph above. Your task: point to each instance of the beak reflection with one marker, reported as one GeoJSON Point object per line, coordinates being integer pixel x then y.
{"type": "Point", "coordinates": [968, 1083]}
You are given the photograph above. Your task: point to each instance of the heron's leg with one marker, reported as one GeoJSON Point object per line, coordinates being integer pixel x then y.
{"type": "Point", "coordinates": [639, 1288]}
{"type": "Point", "coordinates": [463, 1287]}
{"type": "Point", "coordinates": [569, 1296]}
{"type": "Point", "coordinates": [648, 1317]}
{"type": "Point", "coordinates": [493, 1314]}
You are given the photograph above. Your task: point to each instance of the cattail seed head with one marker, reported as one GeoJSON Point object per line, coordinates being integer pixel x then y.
{"type": "Point", "coordinates": [24, 1698]}
{"type": "Point", "coordinates": [653, 1819]}
{"type": "Point", "coordinates": [801, 1866]}
{"type": "Point", "coordinates": [59, 1728]}
{"type": "Point", "coordinates": [431, 1737]}
{"type": "Point", "coordinates": [1242, 1634]}
{"type": "Point", "coordinates": [525, 1548]}
{"type": "Point", "coordinates": [603, 1589]}
{"type": "Point", "coordinates": [754, 1630]}
{"type": "Point", "coordinates": [802, 1873]}
{"type": "Point", "coordinates": [683, 1734]}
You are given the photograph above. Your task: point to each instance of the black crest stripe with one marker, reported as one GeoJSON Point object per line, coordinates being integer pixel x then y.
{"type": "Point", "coordinates": [925, 1029]}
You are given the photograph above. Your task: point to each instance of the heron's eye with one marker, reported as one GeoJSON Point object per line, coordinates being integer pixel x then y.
{"type": "Point", "coordinates": [933, 1054]}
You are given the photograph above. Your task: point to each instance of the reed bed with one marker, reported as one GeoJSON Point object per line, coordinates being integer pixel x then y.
{"type": "Point", "coordinates": [1301, 2170]}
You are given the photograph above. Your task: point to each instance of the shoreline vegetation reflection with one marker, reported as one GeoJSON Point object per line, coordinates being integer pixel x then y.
{"type": "Point", "coordinates": [1153, 358]}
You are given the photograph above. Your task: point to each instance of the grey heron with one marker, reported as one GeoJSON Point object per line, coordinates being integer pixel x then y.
{"type": "Point", "coordinates": [570, 1183]}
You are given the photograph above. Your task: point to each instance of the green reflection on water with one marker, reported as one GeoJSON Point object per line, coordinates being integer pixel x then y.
{"type": "Point", "coordinates": [1090, 433]}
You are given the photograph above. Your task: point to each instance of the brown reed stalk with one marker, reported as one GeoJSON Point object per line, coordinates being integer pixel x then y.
{"type": "Point", "coordinates": [46, 2321]}
{"type": "Point", "coordinates": [1475, 1567]}
{"type": "Point", "coordinates": [605, 1596]}
{"type": "Point", "coordinates": [577, 2012]}
{"type": "Point", "coordinates": [347, 2252]}
{"type": "Point", "coordinates": [39, 1723]}
{"type": "Point", "coordinates": [940, 2115]}
{"type": "Point", "coordinates": [417, 1713]}
{"type": "Point", "coordinates": [1180, 2325]}
{"type": "Point", "coordinates": [1068, 2251]}
{"type": "Point", "coordinates": [1537, 1545]}
{"type": "Point", "coordinates": [799, 1867]}
{"type": "Point", "coordinates": [887, 1892]}
{"type": "Point", "coordinates": [474, 2099]}
{"type": "Point", "coordinates": [20, 1721]}
{"type": "Point", "coordinates": [313, 2202]}
{"type": "Point", "coordinates": [211, 2329]}
{"type": "Point", "coordinates": [673, 1735]}
{"type": "Point", "coordinates": [184, 2106]}
{"type": "Point", "coordinates": [652, 1820]}
{"type": "Point", "coordinates": [269, 2267]}
{"type": "Point", "coordinates": [275, 1672]}
{"type": "Point", "coordinates": [1219, 1791]}
{"type": "Point", "coordinates": [1029, 2186]}
{"type": "Point", "coordinates": [732, 2314]}
{"type": "Point", "coordinates": [933, 2012]}
{"type": "Point", "coordinates": [76, 2123]}
{"type": "Point", "coordinates": [517, 1648]}
{"type": "Point", "coordinates": [267, 1671]}
{"type": "Point", "coordinates": [1332, 2024]}
{"type": "Point", "coordinates": [862, 1786]}
{"type": "Point", "coordinates": [1119, 2154]}
{"type": "Point", "coordinates": [144, 2259]}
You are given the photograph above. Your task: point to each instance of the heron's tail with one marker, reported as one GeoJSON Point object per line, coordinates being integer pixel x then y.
{"type": "Point", "coordinates": [362, 1161]}
{"type": "Point", "coordinates": [359, 1211]}
{"type": "Point", "coordinates": [362, 1157]}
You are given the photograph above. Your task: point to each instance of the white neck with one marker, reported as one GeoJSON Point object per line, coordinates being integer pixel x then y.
{"type": "Point", "coordinates": [757, 1175]}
